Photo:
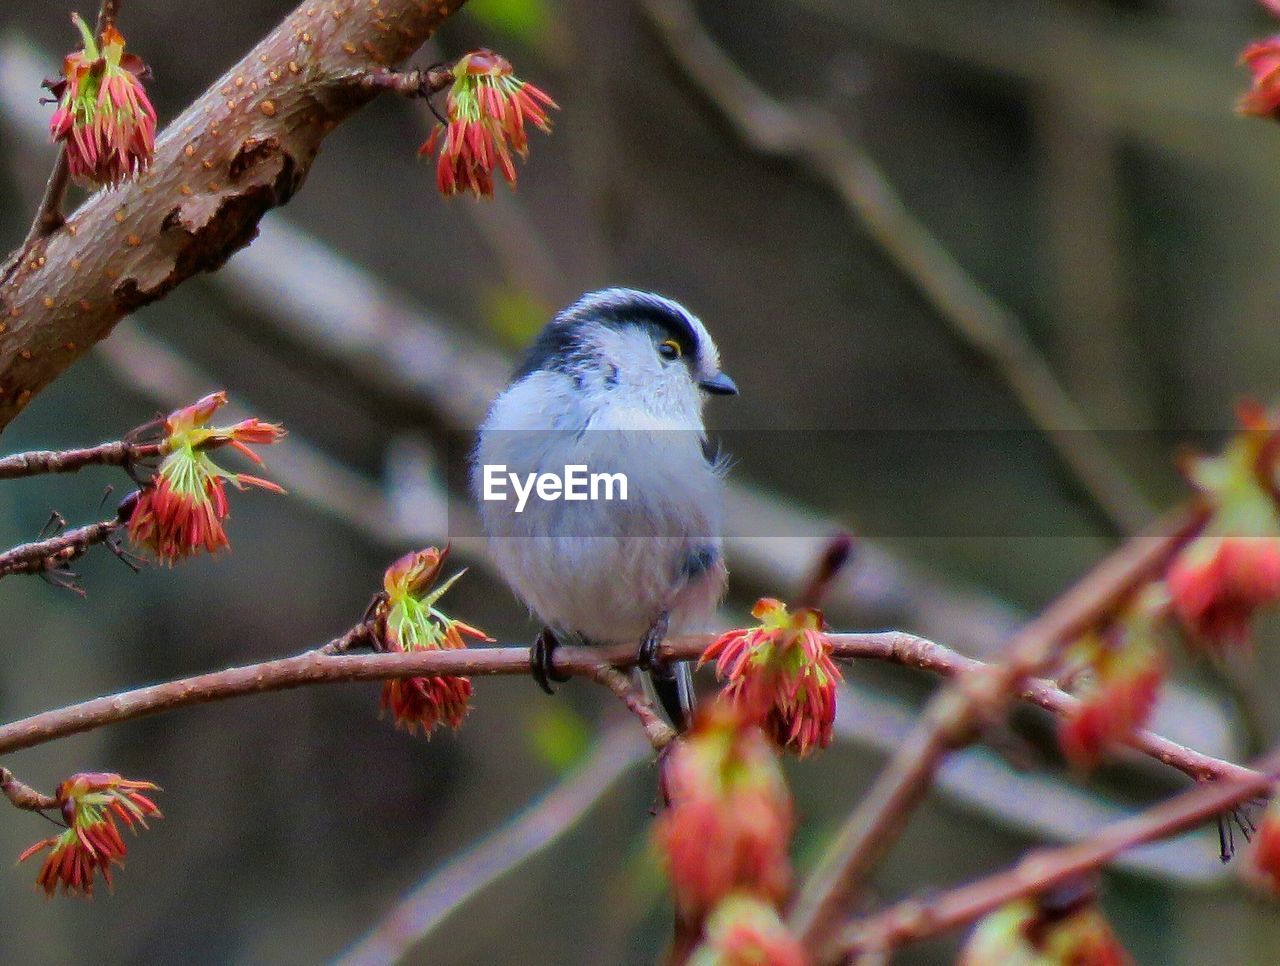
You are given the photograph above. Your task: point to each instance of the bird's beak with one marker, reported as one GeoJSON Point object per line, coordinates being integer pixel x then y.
{"type": "Point", "coordinates": [719, 385]}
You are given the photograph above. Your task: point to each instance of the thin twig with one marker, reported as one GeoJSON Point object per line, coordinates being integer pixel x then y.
{"type": "Point", "coordinates": [324, 665]}
{"type": "Point", "coordinates": [119, 453]}
{"type": "Point", "coordinates": [917, 919]}
{"type": "Point", "coordinates": [973, 314]}
{"type": "Point", "coordinates": [656, 730]}
{"type": "Point", "coordinates": [461, 879]}
{"type": "Point", "coordinates": [55, 553]}
{"type": "Point", "coordinates": [22, 795]}
{"type": "Point", "coordinates": [954, 717]}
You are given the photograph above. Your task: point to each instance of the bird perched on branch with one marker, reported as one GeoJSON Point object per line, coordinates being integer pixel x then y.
{"type": "Point", "coordinates": [602, 506]}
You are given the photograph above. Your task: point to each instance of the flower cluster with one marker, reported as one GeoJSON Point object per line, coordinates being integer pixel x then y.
{"type": "Point", "coordinates": [103, 116]}
{"type": "Point", "coordinates": [730, 816]}
{"type": "Point", "coordinates": [90, 803]}
{"type": "Point", "coordinates": [1045, 930]}
{"type": "Point", "coordinates": [1219, 581]}
{"type": "Point", "coordinates": [1122, 665]}
{"type": "Point", "coordinates": [1266, 847]}
{"type": "Point", "coordinates": [781, 674]}
{"type": "Point", "coordinates": [743, 931]}
{"type": "Point", "coordinates": [487, 107]}
{"type": "Point", "coordinates": [180, 512]}
{"type": "Point", "coordinates": [408, 620]}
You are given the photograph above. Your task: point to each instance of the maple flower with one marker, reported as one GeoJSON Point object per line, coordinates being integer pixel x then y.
{"type": "Point", "coordinates": [743, 931]}
{"type": "Point", "coordinates": [730, 816]}
{"type": "Point", "coordinates": [103, 116]}
{"type": "Point", "coordinates": [1263, 60]}
{"type": "Point", "coordinates": [1124, 666]}
{"type": "Point", "coordinates": [1044, 931]}
{"type": "Point", "coordinates": [90, 803]}
{"type": "Point", "coordinates": [1266, 847]}
{"type": "Point", "coordinates": [1219, 581]}
{"type": "Point", "coordinates": [781, 674]}
{"type": "Point", "coordinates": [408, 620]}
{"type": "Point", "coordinates": [180, 512]}
{"type": "Point", "coordinates": [487, 108]}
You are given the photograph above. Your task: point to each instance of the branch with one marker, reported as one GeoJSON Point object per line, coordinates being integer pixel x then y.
{"type": "Point", "coordinates": [461, 879]}
{"type": "Point", "coordinates": [55, 553]}
{"type": "Point", "coordinates": [22, 795]}
{"type": "Point", "coordinates": [954, 716]}
{"type": "Point", "coordinates": [973, 315]}
{"type": "Point", "coordinates": [120, 453]}
{"type": "Point", "coordinates": [241, 149]}
{"type": "Point", "coordinates": [656, 730]}
{"type": "Point", "coordinates": [329, 665]}
{"type": "Point", "coordinates": [1042, 869]}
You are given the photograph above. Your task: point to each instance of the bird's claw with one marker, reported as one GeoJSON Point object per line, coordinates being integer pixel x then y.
{"type": "Point", "coordinates": [648, 657]}
{"type": "Point", "coordinates": [542, 662]}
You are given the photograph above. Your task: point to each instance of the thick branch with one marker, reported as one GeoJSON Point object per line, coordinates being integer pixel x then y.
{"type": "Point", "coordinates": [954, 717]}
{"type": "Point", "coordinates": [329, 665]}
{"type": "Point", "coordinates": [243, 148]}
{"type": "Point", "coordinates": [1042, 869]}
{"type": "Point", "coordinates": [38, 462]}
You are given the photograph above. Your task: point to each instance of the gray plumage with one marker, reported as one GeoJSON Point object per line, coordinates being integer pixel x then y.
{"type": "Point", "coordinates": [616, 382]}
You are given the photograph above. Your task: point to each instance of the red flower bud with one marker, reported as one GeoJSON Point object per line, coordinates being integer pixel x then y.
{"type": "Point", "coordinates": [743, 931]}
{"type": "Point", "coordinates": [1046, 932]}
{"type": "Point", "coordinates": [90, 803]}
{"type": "Point", "coordinates": [781, 674]}
{"type": "Point", "coordinates": [730, 817]}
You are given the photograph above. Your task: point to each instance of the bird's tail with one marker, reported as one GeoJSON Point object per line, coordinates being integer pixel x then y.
{"type": "Point", "coordinates": [673, 687]}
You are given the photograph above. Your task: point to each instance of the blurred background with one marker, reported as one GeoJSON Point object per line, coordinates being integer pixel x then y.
{"type": "Point", "coordinates": [979, 268]}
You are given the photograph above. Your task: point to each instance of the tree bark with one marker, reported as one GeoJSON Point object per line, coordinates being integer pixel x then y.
{"type": "Point", "coordinates": [242, 148]}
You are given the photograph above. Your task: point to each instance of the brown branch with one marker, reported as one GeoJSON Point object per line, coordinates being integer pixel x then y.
{"type": "Point", "coordinates": [49, 217]}
{"type": "Point", "coordinates": [119, 453]}
{"type": "Point", "coordinates": [1040, 870]}
{"type": "Point", "coordinates": [448, 888]}
{"type": "Point", "coordinates": [23, 796]}
{"type": "Point", "coordinates": [55, 553]}
{"type": "Point", "coordinates": [241, 149]}
{"type": "Point", "coordinates": [953, 718]}
{"type": "Point", "coordinates": [329, 665]}
{"type": "Point", "coordinates": [972, 314]}
{"type": "Point", "coordinates": [656, 730]}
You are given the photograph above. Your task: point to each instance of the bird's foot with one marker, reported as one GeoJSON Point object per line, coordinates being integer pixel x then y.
{"type": "Point", "coordinates": [542, 660]}
{"type": "Point", "coordinates": [647, 656]}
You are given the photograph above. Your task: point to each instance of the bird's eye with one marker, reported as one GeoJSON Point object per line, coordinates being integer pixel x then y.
{"type": "Point", "coordinates": [669, 349]}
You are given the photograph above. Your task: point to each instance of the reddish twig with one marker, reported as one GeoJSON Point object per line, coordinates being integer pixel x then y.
{"type": "Point", "coordinates": [119, 453]}
{"type": "Point", "coordinates": [656, 730]}
{"type": "Point", "coordinates": [408, 83]}
{"type": "Point", "coordinates": [329, 665]}
{"type": "Point", "coordinates": [955, 716]}
{"type": "Point", "coordinates": [23, 796]}
{"type": "Point", "coordinates": [917, 919]}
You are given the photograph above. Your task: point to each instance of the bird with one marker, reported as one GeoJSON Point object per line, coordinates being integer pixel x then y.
{"type": "Point", "coordinates": [615, 384]}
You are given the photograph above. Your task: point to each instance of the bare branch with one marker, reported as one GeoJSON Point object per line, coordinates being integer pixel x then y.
{"type": "Point", "coordinates": [23, 796]}
{"type": "Point", "coordinates": [953, 717]}
{"type": "Point", "coordinates": [330, 665]}
{"type": "Point", "coordinates": [973, 314]}
{"type": "Point", "coordinates": [241, 149]}
{"type": "Point", "coordinates": [461, 879]}
{"type": "Point", "coordinates": [918, 919]}
{"type": "Point", "coordinates": [656, 730]}
{"type": "Point", "coordinates": [120, 453]}
{"type": "Point", "coordinates": [56, 553]}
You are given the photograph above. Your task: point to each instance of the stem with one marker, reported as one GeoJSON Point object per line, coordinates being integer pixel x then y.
{"type": "Point", "coordinates": [42, 556]}
{"type": "Point", "coordinates": [1042, 869]}
{"type": "Point", "coordinates": [37, 462]}
{"type": "Point", "coordinates": [329, 665]}
{"type": "Point", "coordinates": [22, 795]}
{"type": "Point", "coordinates": [954, 716]}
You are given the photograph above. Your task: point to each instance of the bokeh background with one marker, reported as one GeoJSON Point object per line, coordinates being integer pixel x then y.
{"type": "Point", "coordinates": [1078, 162]}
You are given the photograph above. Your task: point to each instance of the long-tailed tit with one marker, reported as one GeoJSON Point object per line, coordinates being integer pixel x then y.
{"type": "Point", "coordinates": [617, 538]}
